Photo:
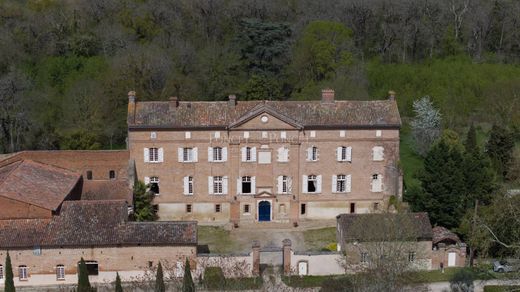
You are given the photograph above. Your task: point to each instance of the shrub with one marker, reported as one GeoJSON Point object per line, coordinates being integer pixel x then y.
{"type": "Point", "coordinates": [214, 278]}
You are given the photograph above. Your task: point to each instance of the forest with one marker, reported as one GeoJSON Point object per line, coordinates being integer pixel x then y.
{"type": "Point", "coordinates": [66, 65]}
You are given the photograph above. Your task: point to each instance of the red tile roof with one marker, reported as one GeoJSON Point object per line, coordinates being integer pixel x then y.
{"type": "Point", "coordinates": [36, 183]}
{"type": "Point", "coordinates": [107, 190]}
{"type": "Point", "coordinates": [341, 113]}
{"type": "Point", "coordinates": [443, 234]}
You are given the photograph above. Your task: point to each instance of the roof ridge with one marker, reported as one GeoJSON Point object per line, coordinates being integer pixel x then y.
{"type": "Point", "coordinates": [11, 171]}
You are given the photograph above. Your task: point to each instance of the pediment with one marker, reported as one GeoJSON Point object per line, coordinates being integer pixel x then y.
{"type": "Point", "coordinates": [264, 117]}
{"type": "Point", "coordinates": [264, 194]}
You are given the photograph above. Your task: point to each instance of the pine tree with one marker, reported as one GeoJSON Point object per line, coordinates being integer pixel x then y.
{"type": "Point", "coordinates": [187, 282]}
{"type": "Point", "coordinates": [119, 287]}
{"type": "Point", "coordinates": [443, 184]}
{"type": "Point", "coordinates": [83, 281]}
{"type": "Point", "coordinates": [159, 281]}
{"type": "Point", "coordinates": [500, 149]}
{"type": "Point", "coordinates": [9, 281]}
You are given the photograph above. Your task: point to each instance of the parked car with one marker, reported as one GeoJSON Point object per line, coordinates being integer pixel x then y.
{"type": "Point", "coordinates": [503, 266]}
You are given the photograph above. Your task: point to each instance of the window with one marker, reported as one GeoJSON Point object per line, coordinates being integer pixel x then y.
{"type": "Point", "coordinates": [379, 133]}
{"type": "Point", "coordinates": [303, 209]}
{"type": "Point", "coordinates": [312, 153]}
{"type": "Point", "coordinates": [341, 183]}
{"type": "Point", "coordinates": [153, 154]}
{"type": "Point", "coordinates": [150, 264]}
{"type": "Point", "coordinates": [411, 256]}
{"type": "Point", "coordinates": [312, 184]}
{"type": "Point", "coordinates": [246, 185]}
{"type": "Point", "coordinates": [153, 135]}
{"type": "Point", "coordinates": [344, 153]}
{"type": "Point", "coordinates": [246, 135]}
{"type": "Point", "coordinates": [217, 153]}
{"type": "Point", "coordinates": [378, 153]}
{"type": "Point", "coordinates": [265, 135]}
{"type": "Point", "coordinates": [217, 135]}
{"type": "Point", "coordinates": [187, 135]}
{"type": "Point", "coordinates": [283, 135]}
{"type": "Point", "coordinates": [1, 273]}
{"type": "Point", "coordinates": [247, 209]}
{"type": "Point", "coordinates": [376, 206]}
{"type": "Point", "coordinates": [92, 268]}
{"type": "Point", "coordinates": [23, 273]}
{"type": "Point", "coordinates": [112, 174]}
{"type": "Point", "coordinates": [217, 208]}
{"type": "Point", "coordinates": [89, 174]}
{"type": "Point", "coordinates": [313, 134]}
{"type": "Point", "coordinates": [377, 183]}
{"type": "Point", "coordinates": [188, 208]}
{"type": "Point", "coordinates": [342, 133]}
{"type": "Point", "coordinates": [283, 154]}
{"type": "Point", "coordinates": [352, 208]}
{"type": "Point", "coordinates": [285, 184]}
{"type": "Point", "coordinates": [364, 257]}
{"type": "Point", "coordinates": [217, 185]}
{"type": "Point", "coordinates": [60, 272]}
{"type": "Point", "coordinates": [187, 154]}
{"type": "Point", "coordinates": [188, 185]}
{"type": "Point", "coordinates": [248, 154]}
{"type": "Point", "coordinates": [154, 185]}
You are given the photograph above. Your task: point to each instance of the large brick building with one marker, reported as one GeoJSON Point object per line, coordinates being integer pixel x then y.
{"type": "Point", "coordinates": [250, 161]}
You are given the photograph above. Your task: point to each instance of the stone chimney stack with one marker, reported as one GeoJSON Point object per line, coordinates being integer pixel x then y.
{"type": "Point", "coordinates": [391, 95]}
{"type": "Point", "coordinates": [131, 107]}
{"type": "Point", "coordinates": [327, 95]}
{"type": "Point", "coordinates": [173, 102]}
{"type": "Point", "coordinates": [232, 100]}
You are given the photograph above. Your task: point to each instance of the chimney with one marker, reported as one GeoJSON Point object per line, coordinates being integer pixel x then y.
{"type": "Point", "coordinates": [232, 100]}
{"type": "Point", "coordinates": [131, 108]}
{"type": "Point", "coordinates": [327, 95]}
{"type": "Point", "coordinates": [391, 95]}
{"type": "Point", "coordinates": [174, 102]}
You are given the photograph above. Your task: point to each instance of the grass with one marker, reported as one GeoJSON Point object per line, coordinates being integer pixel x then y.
{"type": "Point", "coordinates": [217, 238]}
{"type": "Point", "coordinates": [410, 161]}
{"type": "Point", "coordinates": [495, 288]}
{"type": "Point", "coordinates": [318, 239]}
{"type": "Point", "coordinates": [306, 281]}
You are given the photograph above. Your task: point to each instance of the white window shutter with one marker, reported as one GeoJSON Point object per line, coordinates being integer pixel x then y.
{"type": "Point", "coordinates": [195, 154]}
{"type": "Point", "coordinates": [318, 189]}
{"type": "Point", "coordinates": [185, 183]}
{"type": "Point", "coordinates": [253, 154]}
{"type": "Point", "coordinates": [338, 153]}
{"type": "Point", "coordinates": [317, 154]}
{"type": "Point", "coordinates": [279, 154]}
{"type": "Point", "coordinates": [243, 152]}
{"type": "Point", "coordinates": [161, 155]}
{"type": "Point", "coordinates": [253, 184]}
{"type": "Point", "coordinates": [180, 154]}
{"type": "Point", "coordinates": [349, 153]}
{"type": "Point", "coordinates": [304, 184]}
{"type": "Point", "coordinates": [146, 180]}
{"type": "Point", "coordinates": [348, 183]}
{"type": "Point", "coordinates": [210, 185]}
{"type": "Point", "coordinates": [210, 154]}
{"type": "Point", "coordinates": [334, 183]}
{"type": "Point", "coordinates": [289, 184]}
{"type": "Point", "coordinates": [239, 185]}
{"type": "Point", "coordinates": [146, 155]}
{"type": "Point", "coordinates": [279, 184]}
{"type": "Point", "coordinates": [287, 154]}
{"type": "Point", "coordinates": [309, 154]}
{"type": "Point", "coordinates": [224, 154]}
{"type": "Point", "coordinates": [225, 185]}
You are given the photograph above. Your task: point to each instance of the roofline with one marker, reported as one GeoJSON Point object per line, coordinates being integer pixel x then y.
{"type": "Point", "coordinates": [130, 244]}
{"type": "Point", "coordinates": [305, 127]}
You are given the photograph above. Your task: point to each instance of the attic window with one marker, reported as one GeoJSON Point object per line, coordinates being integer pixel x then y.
{"type": "Point", "coordinates": [89, 174]}
{"type": "Point", "coordinates": [112, 174]}
{"type": "Point", "coordinates": [264, 119]}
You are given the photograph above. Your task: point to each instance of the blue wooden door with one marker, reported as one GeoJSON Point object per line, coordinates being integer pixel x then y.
{"type": "Point", "coordinates": [264, 211]}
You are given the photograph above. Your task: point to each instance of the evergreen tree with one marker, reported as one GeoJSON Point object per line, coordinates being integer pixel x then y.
{"type": "Point", "coordinates": [159, 280]}
{"type": "Point", "coordinates": [143, 203]}
{"type": "Point", "coordinates": [500, 149]}
{"type": "Point", "coordinates": [443, 184]}
{"type": "Point", "coordinates": [83, 281]}
{"type": "Point", "coordinates": [119, 287]}
{"type": "Point", "coordinates": [187, 282]}
{"type": "Point", "coordinates": [479, 177]}
{"type": "Point", "coordinates": [471, 139]}
{"type": "Point", "coordinates": [9, 281]}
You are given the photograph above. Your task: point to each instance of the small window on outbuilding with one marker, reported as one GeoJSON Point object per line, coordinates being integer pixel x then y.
{"type": "Point", "coordinates": [303, 209]}
{"type": "Point", "coordinates": [218, 208]}
{"type": "Point", "coordinates": [112, 174]}
{"type": "Point", "coordinates": [89, 174]}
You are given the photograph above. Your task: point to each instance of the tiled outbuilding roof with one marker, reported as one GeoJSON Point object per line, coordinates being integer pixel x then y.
{"type": "Point", "coordinates": [384, 227]}
{"type": "Point", "coordinates": [220, 114]}
{"type": "Point", "coordinates": [36, 183]}
{"type": "Point", "coordinates": [106, 190]}
{"type": "Point", "coordinates": [443, 234]}
{"type": "Point", "coordinates": [94, 223]}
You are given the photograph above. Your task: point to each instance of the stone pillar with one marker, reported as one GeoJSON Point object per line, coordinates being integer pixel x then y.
{"type": "Point", "coordinates": [286, 257]}
{"type": "Point", "coordinates": [256, 258]}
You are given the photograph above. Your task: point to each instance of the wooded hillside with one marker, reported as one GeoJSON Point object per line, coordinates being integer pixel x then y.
{"type": "Point", "coordinates": [66, 66]}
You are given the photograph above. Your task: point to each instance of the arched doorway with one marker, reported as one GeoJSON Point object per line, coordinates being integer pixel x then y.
{"type": "Point", "coordinates": [264, 211]}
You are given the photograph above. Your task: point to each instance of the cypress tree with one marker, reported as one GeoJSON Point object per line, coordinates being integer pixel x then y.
{"type": "Point", "coordinates": [83, 281]}
{"type": "Point", "coordinates": [119, 287]}
{"type": "Point", "coordinates": [9, 281]}
{"type": "Point", "coordinates": [500, 149]}
{"type": "Point", "coordinates": [471, 140]}
{"type": "Point", "coordinates": [187, 281]}
{"type": "Point", "coordinates": [159, 281]}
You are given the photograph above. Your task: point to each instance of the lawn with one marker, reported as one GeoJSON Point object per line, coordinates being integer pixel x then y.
{"type": "Point", "coordinates": [319, 239]}
{"type": "Point", "coordinates": [410, 161]}
{"type": "Point", "coordinates": [217, 238]}
{"type": "Point", "coordinates": [306, 281]}
{"type": "Point", "coordinates": [493, 288]}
